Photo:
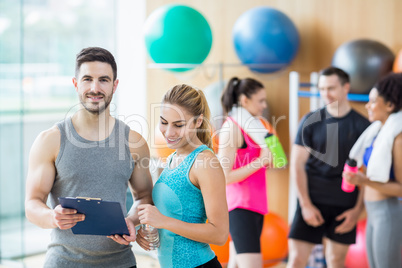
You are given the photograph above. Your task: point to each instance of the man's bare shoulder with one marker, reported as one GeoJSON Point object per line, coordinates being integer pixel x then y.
{"type": "Point", "coordinates": [137, 144]}
{"type": "Point", "coordinates": [47, 142]}
{"type": "Point", "coordinates": [49, 135]}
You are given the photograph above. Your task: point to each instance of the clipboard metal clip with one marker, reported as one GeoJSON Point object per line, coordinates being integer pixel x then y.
{"type": "Point", "coordinates": [89, 198]}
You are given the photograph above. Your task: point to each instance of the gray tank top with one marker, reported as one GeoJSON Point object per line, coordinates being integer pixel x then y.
{"type": "Point", "coordinates": [91, 169]}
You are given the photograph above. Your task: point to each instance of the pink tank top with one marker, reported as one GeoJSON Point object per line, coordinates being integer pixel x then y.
{"type": "Point", "coordinates": [250, 193]}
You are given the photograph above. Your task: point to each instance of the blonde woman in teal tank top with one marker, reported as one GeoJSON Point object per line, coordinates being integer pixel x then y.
{"type": "Point", "coordinates": [191, 189]}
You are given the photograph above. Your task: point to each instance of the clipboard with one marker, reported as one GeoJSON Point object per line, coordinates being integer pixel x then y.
{"type": "Point", "coordinates": [101, 217]}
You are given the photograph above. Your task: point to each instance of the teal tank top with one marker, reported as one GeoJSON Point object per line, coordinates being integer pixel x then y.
{"type": "Point", "coordinates": [175, 196]}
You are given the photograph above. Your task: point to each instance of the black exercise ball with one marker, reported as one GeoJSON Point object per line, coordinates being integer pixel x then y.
{"type": "Point", "coordinates": [366, 61]}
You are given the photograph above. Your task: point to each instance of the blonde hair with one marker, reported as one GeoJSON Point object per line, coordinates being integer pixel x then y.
{"type": "Point", "coordinates": [194, 101]}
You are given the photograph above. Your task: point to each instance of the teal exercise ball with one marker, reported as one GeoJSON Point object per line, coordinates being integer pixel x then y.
{"type": "Point", "coordinates": [264, 35]}
{"type": "Point", "coordinates": [177, 34]}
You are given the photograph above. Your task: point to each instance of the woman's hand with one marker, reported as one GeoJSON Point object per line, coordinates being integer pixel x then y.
{"type": "Point", "coordinates": [142, 242]}
{"type": "Point", "coordinates": [149, 214]}
{"type": "Point", "coordinates": [358, 178]}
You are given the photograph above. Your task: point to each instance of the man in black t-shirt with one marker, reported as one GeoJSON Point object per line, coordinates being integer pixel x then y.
{"type": "Point", "coordinates": [322, 146]}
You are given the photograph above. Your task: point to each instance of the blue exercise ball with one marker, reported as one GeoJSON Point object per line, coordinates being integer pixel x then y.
{"type": "Point", "coordinates": [366, 61]}
{"type": "Point", "coordinates": [177, 34]}
{"type": "Point", "coordinates": [264, 35]}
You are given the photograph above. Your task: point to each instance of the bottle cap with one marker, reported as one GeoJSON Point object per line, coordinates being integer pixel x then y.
{"type": "Point", "coordinates": [351, 162]}
{"type": "Point", "coordinates": [268, 135]}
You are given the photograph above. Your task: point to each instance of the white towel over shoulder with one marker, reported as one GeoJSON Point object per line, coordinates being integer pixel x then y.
{"type": "Point", "coordinates": [252, 125]}
{"type": "Point", "coordinates": [379, 165]}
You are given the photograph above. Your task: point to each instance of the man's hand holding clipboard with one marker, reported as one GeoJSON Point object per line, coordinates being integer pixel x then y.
{"type": "Point", "coordinates": [97, 217]}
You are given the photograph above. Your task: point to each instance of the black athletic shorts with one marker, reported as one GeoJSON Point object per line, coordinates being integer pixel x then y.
{"type": "Point", "coordinates": [245, 228]}
{"type": "Point", "coordinates": [300, 230]}
{"type": "Point", "coordinates": [214, 263]}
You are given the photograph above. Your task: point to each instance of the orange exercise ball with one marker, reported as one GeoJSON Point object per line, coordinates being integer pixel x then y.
{"type": "Point", "coordinates": [397, 67]}
{"type": "Point", "coordinates": [274, 241]}
{"type": "Point", "coordinates": [222, 252]}
{"type": "Point", "coordinates": [357, 256]}
{"type": "Point", "coordinates": [215, 141]}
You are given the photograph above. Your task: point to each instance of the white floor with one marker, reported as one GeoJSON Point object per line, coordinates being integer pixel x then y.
{"type": "Point", "coordinates": [144, 260]}
{"type": "Point", "coordinates": [35, 241]}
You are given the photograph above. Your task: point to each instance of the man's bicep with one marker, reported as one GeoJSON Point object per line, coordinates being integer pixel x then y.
{"type": "Point", "coordinates": [41, 168]}
{"type": "Point", "coordinates": [141, 179]}
{"type": "Point", "coordinates": [300, 155]}
{"type": "Point", "coordinates": [39, 182]}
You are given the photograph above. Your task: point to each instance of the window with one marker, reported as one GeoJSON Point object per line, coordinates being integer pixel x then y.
{"type": "Point", "coordinates": [39, 40]}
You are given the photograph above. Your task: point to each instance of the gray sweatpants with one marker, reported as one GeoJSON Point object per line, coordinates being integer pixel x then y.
{"type": "Point", "coordinates": [384, 233]}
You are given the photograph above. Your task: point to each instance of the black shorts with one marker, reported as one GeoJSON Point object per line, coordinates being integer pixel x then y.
{"type": "Point", "coordinates": [245, 228]}
{"type": "Point", "coordinates": [300, 230]}
{"type": "Point", "coordinates": [214, 263]}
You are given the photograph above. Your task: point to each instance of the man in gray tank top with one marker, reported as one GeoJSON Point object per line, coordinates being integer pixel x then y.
{"type": "Point", "coordinates": [89, 154]}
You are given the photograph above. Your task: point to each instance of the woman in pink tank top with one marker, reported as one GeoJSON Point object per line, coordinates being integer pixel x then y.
{"type": "Point", "coordinates": [244, 164]}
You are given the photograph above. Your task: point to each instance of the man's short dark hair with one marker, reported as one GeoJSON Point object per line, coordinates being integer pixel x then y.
{"type": "Point", "coordinates": [90, 54]}
{"type": "Point", "coordinates": [342, 75]}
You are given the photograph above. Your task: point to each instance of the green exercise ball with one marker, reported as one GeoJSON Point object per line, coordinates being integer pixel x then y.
{"type": "Point", "coordinates": [177, 34]}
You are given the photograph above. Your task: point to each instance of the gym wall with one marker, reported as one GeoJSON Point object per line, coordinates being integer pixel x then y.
{"type": "Point", "coordinates": [323, 26]}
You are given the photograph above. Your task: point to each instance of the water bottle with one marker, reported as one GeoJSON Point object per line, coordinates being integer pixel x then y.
{"type": "Point", "coordinates": [151, 234]}
{"type": "Point", "coordinates": [278, 155]}
{"type": "Point", "coordinates": [350, 166]}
